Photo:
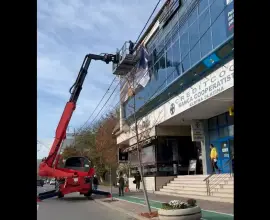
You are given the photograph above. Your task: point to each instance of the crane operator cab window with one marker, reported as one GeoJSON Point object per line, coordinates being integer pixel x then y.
{"type": "Point", "coordinates": [78, 163]}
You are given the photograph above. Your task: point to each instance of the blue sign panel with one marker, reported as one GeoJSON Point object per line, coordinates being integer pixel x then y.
{"type": "Point", "coordinates": [211, 60]}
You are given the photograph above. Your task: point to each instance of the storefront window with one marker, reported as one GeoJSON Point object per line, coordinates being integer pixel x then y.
{"type": "Point", "coordinates": [222, 120]}
{"type": "Point", "coordinates": [223, 132]}
{"type": "Point", "coordinates": [231, 130]}
{"type": "Point", "coordinates": [230, 119]}
{"type": "Point", "coordinates": [213, 135]}
{"type": "Point", "coordinates": [212, 123]}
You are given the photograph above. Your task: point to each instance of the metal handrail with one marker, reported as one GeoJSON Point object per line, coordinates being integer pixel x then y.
{"type": "Point", "coordinates": [217, 178]}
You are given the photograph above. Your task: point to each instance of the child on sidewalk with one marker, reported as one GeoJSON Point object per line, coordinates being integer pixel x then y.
{"type": "Point", "coordinates": [121, 182]}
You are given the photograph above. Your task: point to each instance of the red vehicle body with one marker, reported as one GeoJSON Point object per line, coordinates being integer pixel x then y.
{"type": "Point", "coordinates": [71, 178]}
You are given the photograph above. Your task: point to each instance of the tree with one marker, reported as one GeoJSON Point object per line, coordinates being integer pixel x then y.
{"type": "Point", "coordinates": [105, 141]}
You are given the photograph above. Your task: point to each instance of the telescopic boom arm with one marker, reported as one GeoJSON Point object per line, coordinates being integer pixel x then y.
{"type": "Point", "coordinates": [46, 167]}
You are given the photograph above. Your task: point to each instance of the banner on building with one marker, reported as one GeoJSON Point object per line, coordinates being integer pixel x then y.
{"type": "Point", "coordinates": [229, 12]}
{"type": "Point", "coordinates": [197, 133]}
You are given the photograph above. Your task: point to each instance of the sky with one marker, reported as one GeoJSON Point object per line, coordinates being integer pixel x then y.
{"type": "Point", "coordinates": [67, 31]}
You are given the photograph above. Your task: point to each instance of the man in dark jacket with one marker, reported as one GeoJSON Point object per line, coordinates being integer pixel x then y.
{"type": "Point", "coordinates": [95, 182]}
{"type": "Point", "coordinates": [138, 179]}
{"type": "Point", "coordinates": [121, 182]}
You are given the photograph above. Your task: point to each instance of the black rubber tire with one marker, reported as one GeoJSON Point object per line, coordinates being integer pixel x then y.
{"type": "Point", "coordinates": [88, 194]}
{"type": "Point", "coordinates": [60, 195]}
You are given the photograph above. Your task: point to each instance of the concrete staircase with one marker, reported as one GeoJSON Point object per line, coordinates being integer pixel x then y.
{"type": "Point", "coordinates": [194, 186]}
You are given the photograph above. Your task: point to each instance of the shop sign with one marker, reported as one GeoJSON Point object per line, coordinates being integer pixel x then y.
{"type": "Point", "coordinates": [192, 166]}
{"type": "Point", "coordinates": [210, 86]}
{"type": "Point", "coordinates": [197, 133]}
{"type": "Point", "coordinates": [229, 11]}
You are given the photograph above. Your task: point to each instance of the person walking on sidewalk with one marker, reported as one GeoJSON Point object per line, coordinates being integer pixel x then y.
{"type": "Point", "coordinates": [95, 182]}
{"type": "Point", "coordinates": [214, 158]}
{"type": "Point", "coordinates": [138, 179]}
{"type": "Point", "coordinates": [121, 182]}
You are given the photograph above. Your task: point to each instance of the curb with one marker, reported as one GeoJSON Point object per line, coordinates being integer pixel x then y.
{"type": "Point", "coordinates": [131, 214]}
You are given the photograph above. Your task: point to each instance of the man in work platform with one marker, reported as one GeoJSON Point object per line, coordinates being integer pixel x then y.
{"type": "Point", "coordinates": [214, 158]}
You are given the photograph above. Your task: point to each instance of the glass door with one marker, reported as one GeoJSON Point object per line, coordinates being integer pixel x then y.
{"type": "Point", "coordinates": [225, 148]}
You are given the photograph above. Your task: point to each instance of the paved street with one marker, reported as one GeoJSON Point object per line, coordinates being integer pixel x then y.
{"type": "Point", "coordinates": [75, 206]}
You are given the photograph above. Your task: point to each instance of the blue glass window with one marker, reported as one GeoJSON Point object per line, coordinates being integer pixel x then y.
{"type": "Point", "coordinates": [219, 33]}
{"type": "Point", "coordinates": [175, 32]}
{"type": "Point", "coordinates": [193, 16]}
{"type": "Point", "coordinates": [216, 8]}
{"type": "Point", "coordinates": [206, 43]}
{"type": "Point", "coordinates": [212, 123]}
{"type": "Point", "coordinates": [193, 34]}
{"type": "Point", "coordinates": [176, 58]}
{"type": "Point", "coordinates": [160, 84]}
{"type": "Point", "coordinates": [204, 22]}
{"type": "Point", "coordinates": [169, 67]}
{"type": "Point", "coordinates": [185, 64]}
{"type": "Point", "coordinates": [205, 33]}
{"type": "Point", "coordinates": [202, 5]}
{"type": "Point", "coordinates": [184, 45]}
{"type": "Point", "coordinates": [168, 41]}
{"type": "Point", "coordinates": [194, 43]}
{"type": "Point", "coordinates": [176, 51]}
{"type": "Point", "coordinates": [183, 28]}
{"type": "Point", "coordinates": [195, 55]}
{"type": "Point", "coordinates": [213, 135]}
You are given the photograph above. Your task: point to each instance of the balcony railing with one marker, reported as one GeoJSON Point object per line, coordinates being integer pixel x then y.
{"type": "Point", "coordinates": [127, 60]}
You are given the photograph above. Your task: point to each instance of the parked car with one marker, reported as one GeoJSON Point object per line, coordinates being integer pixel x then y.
{"type": "Point", "coordinates": [52, 182]}
{"type": "Point", "coordinates": [40, 183]}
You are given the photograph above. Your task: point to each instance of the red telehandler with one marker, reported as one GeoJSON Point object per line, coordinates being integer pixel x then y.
{"type": "Point", "coordinates": [77, 173]}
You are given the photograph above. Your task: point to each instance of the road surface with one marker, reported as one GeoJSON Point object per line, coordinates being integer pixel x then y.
{"type": "Point", "coordinates": [75, 206]}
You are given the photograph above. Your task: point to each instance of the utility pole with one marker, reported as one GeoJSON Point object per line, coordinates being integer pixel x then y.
{"type": "Point", "coordinates": [111, 181]}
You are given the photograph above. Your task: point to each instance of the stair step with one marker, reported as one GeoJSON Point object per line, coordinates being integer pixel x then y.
{"type": "Point", "coordinates": [199, 182]}
{"type": "Point", "coordinates": [188, 181]}
{"type": "Point", "coordinates": [181, 185]}
{"type": "Point", "coordinates": [186, 188]}
{"type": "Point", "coordinates": [222, 194]}
{"type": "Point", "coordinates": [184, 192]}
{"type": "Point", "coordinates": [192, 176]}
{"type": "Point", "coordinates": [197, 189]}
{"type": "Point", "coordinates": [208, 198]}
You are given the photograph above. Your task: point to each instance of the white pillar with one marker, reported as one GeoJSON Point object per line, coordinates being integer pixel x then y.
{"type": "Point", "coordinates": [206, 150]}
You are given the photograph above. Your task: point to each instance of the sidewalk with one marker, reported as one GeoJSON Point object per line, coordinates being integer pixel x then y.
{"type": "Point", "coordinates": [134, 202]}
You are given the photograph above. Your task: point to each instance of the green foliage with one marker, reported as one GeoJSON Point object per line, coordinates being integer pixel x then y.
{"type": "Point", "coordinates": [177, 204]}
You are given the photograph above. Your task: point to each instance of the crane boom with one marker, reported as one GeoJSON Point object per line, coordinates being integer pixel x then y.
{"type": "Point", "coordinates": [46, 166]}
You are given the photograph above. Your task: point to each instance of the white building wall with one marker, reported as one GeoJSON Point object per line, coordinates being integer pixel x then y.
{"type": "Point", "coordinates": [173, 130]}
{"type": "Point", "coordinates": [149, 184]}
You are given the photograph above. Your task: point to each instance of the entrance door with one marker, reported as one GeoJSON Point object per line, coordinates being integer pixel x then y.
{"type": "Point", "coordinates": [225, 148]}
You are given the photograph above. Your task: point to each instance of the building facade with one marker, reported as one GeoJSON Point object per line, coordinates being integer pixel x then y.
{"type": "Point", "coordinates": [183, 98]}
